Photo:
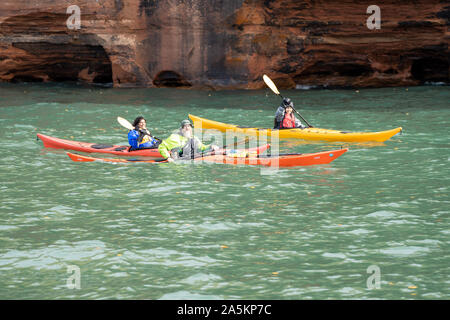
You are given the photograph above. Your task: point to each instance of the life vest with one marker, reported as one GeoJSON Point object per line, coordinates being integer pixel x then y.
{"type": "Point", "coordinates": [279, 124]}
{"type": "Point", "coordinates": [288, 122]}
{"type": "Point", "coordinates": [188, 151]}
{"type": "Point", "coordinates": [144, 137]}
{"type": "Point", "coordinates": [139, 140]}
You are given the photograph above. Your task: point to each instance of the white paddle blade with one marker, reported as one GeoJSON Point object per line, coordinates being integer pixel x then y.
{"type": "Point", "coordinates": [125, 123]}
{"type": "Point", "coordinates": [270, 84]}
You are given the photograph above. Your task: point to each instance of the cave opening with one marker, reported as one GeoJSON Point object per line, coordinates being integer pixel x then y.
{"type": "Point", "coordinates": [62, 62]}
{"type": "Point", "coordinates": [430, 69]}
{"type": "Point", "coordinates": [52, 53]}
{"type": "Point", "coordinates": [352, 70]}
{"type": "Point", "coordinates": [171, 79]}
{"type": "Point", "coordinates": [25, 78]}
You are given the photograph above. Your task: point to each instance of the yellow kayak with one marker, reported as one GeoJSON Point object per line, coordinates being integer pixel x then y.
{"type": "Point", "coordinates": [315, 134]}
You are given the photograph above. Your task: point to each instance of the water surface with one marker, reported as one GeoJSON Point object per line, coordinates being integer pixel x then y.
{"type": "Point", "coordinates": [215, 231]}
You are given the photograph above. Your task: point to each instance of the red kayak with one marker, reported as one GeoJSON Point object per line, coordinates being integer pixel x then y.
{"type": "Point", "coordinates": [243, 156]}
{"type": "Point", "coordinates": [281, 160]}
{"type": "Point", "coordinates": [56, 143]}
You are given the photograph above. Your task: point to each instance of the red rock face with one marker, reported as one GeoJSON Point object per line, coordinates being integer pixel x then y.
{"type": "Point", "coordinates": [225, 43]}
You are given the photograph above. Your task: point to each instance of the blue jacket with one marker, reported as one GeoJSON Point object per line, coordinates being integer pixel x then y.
{"type": "Point", "coordinates": [147, 141]}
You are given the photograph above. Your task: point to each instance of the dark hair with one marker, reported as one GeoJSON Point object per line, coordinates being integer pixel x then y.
{"type": "Point", "coordinates": [137, 120]}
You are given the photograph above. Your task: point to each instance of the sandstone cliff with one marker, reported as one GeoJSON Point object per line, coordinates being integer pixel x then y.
{"type": "Point", "coordinates": [225, 43]}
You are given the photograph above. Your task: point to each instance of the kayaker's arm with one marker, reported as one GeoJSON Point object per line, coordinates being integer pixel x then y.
{"type": "Point", "coordinates": [168, 144]}
{"type": "Point", "coordinates": [279, 114]}
{"type": "Point", "coordinates": [133, 137]}
{"type": "Point", "coordinates": [204, 147]}
{"type": "Point", "coordinates": [298, 124]}
{"type": "Point", "coordinates": [163, 150]}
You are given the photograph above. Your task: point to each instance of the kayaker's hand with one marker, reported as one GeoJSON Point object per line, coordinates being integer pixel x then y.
{"type": "Point", "coordinates": [170, 159]}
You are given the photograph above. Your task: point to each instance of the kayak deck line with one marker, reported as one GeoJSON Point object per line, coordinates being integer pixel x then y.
{"type": "Point", "coordinates": [199, 156]}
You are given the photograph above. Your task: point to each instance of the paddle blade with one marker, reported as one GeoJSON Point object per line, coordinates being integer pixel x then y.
{"type": "Point", "coordinates": [270, 84]}
{"type": "Point", "coordinates": [125, 123]}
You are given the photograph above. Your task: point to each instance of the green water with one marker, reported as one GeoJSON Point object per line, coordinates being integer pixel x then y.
{"type": "Point", "coordinates": [216, 231]}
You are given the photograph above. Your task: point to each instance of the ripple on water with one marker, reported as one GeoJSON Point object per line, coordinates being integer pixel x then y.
{"type": "Point", "coordinates": [54, 256]}
{"type": "Point", "coordinates": [4, 228]}
{"type": "Point", "coordinates": [334, 255]}
{"type": "Point", "coordinates": [405, 251]}
{"type": "Point", "coordinates": [169, 257]}
{"type": "Point", "coordinates": [187, 295]}
{"type": "Point", "coordinates": [383, 214]}
{"type": "Point", "coordinates": [203, 281]}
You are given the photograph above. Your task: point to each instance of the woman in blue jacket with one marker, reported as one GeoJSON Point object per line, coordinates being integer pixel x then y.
{"type": "Point", "coordinates": [140, 137]}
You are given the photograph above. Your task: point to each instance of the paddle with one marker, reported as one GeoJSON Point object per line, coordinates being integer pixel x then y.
{"type": "Point", "coordinates": [125, 123]}
{"type": "Point", "coordinates": [210, 153]}
{"type": "Point", "coordinates": [274, 88]}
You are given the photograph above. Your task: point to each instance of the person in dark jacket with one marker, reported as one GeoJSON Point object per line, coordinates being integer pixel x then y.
{"type": "Point", "coordinates": [285, 118]}
{"type": "Point", "coordinates": [140, 137]}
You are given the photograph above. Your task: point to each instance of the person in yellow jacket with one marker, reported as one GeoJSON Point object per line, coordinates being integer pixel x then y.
{"type": "Point", "coordinates": [183, 144]}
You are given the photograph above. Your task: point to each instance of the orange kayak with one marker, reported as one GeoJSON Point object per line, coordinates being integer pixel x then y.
{"type": "Point", "coordinates": [281, 160]}
{"type": "Point", "coordinates": [244, 156]}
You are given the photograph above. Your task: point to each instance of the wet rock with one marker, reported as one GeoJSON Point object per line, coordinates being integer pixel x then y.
{"type": "Point", "coordinates": [225, 44]}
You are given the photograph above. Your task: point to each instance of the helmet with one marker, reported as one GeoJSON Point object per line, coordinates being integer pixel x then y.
{"type": "Point", "coordinates": [287, 103]}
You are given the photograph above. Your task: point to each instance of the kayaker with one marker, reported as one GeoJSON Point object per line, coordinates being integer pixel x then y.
{"type": "Point", "coordinates": [183, 144]}
{"type": "Point", "coordinates": [285, 118]}
{"type": "Point", "coordinates": [140, 137]}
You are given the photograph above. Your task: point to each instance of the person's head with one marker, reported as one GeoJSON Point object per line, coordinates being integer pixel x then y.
{"type": "Point", "coordinates": [289, 109]}
{"type": "Point", "coordinates": [186, 129]}
{"type": "Point", "coordinates": [288, 103]}
{"type": "Point", "coordinates": [140, 123]}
